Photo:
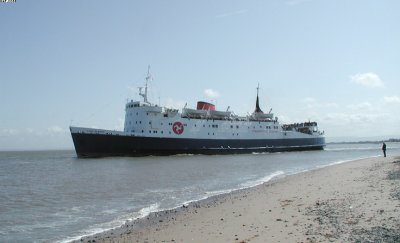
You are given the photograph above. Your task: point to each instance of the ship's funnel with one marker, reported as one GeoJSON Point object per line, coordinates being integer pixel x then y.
{"type": "Point", "coordinates": [201, 105]}
{"type": "Point", "coordinates": [258, 110]}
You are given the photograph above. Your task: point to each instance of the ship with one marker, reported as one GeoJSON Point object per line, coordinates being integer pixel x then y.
{"type": "Point", "coordinates": [151, 129]}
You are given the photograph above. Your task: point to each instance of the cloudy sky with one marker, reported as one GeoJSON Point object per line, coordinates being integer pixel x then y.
{"type": "Point", "coordinates": [77, 62]}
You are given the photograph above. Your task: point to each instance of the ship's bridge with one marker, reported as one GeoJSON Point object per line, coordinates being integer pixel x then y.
{"type": "Point", "coordinates": [132, 104]}
{"type": "Point", "coordinates": [142, 106]}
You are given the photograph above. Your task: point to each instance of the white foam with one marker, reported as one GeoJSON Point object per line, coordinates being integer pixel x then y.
{"type": "Point", "coordinates": [147, 210]}
{"type": "Point", "coordinates": [218, 192]}
{"type": "Point", "coordinates": [351, 148]}
{"type": "Point", "coordinates": [261, 180]}
{"type": "Point", "coordinates": [346, 160]}
{"type": "Point", "coordinates": [115, 223]}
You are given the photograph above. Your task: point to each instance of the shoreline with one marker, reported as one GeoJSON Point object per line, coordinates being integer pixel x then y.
{"type": "Point", "coordinates": [293, 208]}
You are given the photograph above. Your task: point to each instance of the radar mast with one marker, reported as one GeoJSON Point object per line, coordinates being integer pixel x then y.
{"type": "Point", "coordinates": [144, 95]}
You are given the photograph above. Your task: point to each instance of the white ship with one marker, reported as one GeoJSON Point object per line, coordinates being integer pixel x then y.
{"type": "Point", "coordinates": [153, 130]}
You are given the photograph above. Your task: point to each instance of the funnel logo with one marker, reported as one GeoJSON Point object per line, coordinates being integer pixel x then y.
{"type": "Point", "coordinates": [177, 127]}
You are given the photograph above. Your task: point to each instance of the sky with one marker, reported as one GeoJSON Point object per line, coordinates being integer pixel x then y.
{"type": "Point", "coordinates": [76, 63]}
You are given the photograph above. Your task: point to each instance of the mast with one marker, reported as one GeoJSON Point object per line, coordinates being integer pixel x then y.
{"type": "Point", "coordinates": [144, 95]}
{"type": "Point", "coordinates": [258, 110]}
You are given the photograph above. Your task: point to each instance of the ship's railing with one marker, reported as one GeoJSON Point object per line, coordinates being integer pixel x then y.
{"type": "Point", "coordinates": [85, 130]}
{"type": "Point", "coordinates": [305, 127]}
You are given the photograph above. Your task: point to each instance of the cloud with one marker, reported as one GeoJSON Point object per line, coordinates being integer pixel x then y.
{"type": "Point", "coordinates": [309, 100]}
{"type": "Point", "coordinates": [31, 133]}
{"type": "Point", "coordinates": [133, 89]}
{"type": "Point", "coordinates": [209, 93]}
{"type": "Point", "coordinates": [391, 99]}
{"type": "Point", "coordinates": [361, 106]}
{"type": "Point", "coordinates": [176, 104]}
{"type": "Point", "coordinates": [54, 130]}
{"type": "Point", "coordinates": [313, 103]}
{"type": "Point", "coordinates": [355, 119]}
{"type": "Point", "coordinates": [120, 124]}
{"type": "Point", "coordinates": [370, 80]}
{"type": "Point", "coordinates": [229, 14]}
{"type": "Point", "coordinates": [9, 132]}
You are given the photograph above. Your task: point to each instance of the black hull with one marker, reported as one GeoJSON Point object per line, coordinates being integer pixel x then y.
{"type": "Point", "coordinates": [106, 145]}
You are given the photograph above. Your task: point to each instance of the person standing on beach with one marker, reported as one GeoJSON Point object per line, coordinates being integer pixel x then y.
{"type": "Point", "coordinates": [384, 149]}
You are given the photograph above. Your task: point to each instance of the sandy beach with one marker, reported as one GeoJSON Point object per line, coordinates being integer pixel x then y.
{"type": "Point", "coordinates": [357, 201]}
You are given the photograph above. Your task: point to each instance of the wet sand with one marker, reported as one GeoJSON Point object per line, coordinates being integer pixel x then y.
{"type": "Point", "coordinates": [357, 201]}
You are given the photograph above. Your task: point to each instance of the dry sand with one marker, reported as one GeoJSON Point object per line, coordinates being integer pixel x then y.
{"type": "Point", "coordinates": [357, 201]}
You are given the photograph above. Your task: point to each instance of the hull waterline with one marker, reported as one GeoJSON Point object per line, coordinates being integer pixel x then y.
{"type": "Point", "coordinates": [103, 145]}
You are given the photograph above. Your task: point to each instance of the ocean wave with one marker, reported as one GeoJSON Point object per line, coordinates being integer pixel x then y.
{"type": "Point", "coordinates": [351, 149]}
{"type": "Point", "coordinates": [253, 183]}
{"type": "Point", "coordinates": [99, 228]}
{"type": "Point", "coordinates": [147, 210]}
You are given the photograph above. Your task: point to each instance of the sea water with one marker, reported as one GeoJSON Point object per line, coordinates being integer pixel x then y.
{"type": "Point", "coordinates": [48, 196]}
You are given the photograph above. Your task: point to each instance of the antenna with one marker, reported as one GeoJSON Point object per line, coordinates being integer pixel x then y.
{"type": "Point", "coordinates": [144, 95]}
{"type": "Point", "coordinates": [258, 87]}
